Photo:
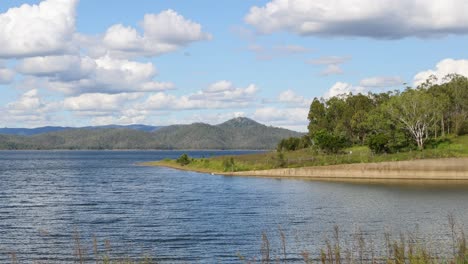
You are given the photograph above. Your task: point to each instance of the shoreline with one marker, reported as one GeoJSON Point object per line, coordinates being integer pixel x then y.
{"type": "Point", "coordinates": [443, 169]}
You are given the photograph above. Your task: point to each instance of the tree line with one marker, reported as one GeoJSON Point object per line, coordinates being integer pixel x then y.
{"type": "Point", "coordinates": [389, 121]}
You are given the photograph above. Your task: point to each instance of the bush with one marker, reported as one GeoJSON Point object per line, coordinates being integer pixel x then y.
{"type": "Point", "coordinates": [289, 144]}
{"type": "Point", "coordinates": [378, 143]}
{"type": "Point", "coordinates": [329, 142]}
{"type": "Point", "coordinates": [293, 143]}
{"type": "Point", "coordinates": [183, 160]}
{"type": "Point", "coordinates": [229, 164]}
{"type": "Point", "coordinates": [280, 160]}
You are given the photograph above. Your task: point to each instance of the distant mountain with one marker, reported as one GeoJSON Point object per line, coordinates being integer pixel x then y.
{"type": "Point", "coordinates": [238, 133]}
{"type": "Point", "coordinates": [31, 131]}
{"type": "Point", "coordinates": [48, 129]}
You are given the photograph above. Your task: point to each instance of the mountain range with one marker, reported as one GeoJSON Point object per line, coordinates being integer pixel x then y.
{"type": "Point", "coordinates": [47, 129]}
{"type": "Point", "coordinates": [237, 133]}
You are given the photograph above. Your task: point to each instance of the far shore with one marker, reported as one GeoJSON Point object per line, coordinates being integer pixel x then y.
{"type": "Point", "coordinates": [443, 169]}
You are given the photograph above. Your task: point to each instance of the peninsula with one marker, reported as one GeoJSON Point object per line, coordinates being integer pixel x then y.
{"type": "Point", "coordinates": [420, 133]}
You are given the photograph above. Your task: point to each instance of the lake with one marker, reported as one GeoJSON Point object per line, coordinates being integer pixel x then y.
{"type": "Point", "coordinates": [47, 197]}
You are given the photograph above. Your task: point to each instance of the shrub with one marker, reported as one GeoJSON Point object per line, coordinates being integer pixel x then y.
{"type": "Point", "coordinates": [229, 164]}
{"type": "Point", "coordinates": [293, 143]}
{"type": "Point", "coordinates": [329, 142]}
{"type": "Point", "coordinates": [280, 160]}
{"type": "Point", "coordinates": [378, 143]}
{"type": "Point", "coordinates": [183, 160]}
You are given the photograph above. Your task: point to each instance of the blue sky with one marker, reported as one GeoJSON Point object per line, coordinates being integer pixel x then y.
{"type": "Point", "coordinates": [77, 63]}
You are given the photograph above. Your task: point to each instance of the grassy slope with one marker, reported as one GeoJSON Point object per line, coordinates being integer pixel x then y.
{"type": "Point", "coordinates": [457, 147]}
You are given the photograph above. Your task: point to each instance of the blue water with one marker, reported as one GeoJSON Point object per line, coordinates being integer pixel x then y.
{"type": "Point", "coordinates": [46, 197]}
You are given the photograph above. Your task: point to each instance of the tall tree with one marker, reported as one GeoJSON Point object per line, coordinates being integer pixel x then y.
{"type": "Point", "coordinates": [414, 109]}
{"type": "Point", "coordinates": [317, 117]}
{"type": "Point", "coordinates": [457, 89]}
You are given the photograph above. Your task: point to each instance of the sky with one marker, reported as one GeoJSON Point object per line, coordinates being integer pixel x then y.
{"type": "Point", "coordinates": [87, 62]}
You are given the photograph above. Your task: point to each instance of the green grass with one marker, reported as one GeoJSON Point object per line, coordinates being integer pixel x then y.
{"type": "Point", "coordinates": [449, 148]}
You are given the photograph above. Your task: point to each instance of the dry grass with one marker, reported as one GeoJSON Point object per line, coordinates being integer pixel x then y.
{"type": "Point", "coordinates": [405, 249]}
{"type": "Point", "coordinates": [409, 248]}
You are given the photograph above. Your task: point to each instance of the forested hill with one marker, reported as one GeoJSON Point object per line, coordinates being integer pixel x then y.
{"type": "Point", "coordinates": [238, 133]}
{"type": "Point", "coordinates": [47, 129]}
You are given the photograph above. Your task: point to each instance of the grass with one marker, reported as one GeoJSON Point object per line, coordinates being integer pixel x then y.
{"type": "Point", "coordinates": [408, 248]}
{"type": "Point", "coordinates": [452, 147]}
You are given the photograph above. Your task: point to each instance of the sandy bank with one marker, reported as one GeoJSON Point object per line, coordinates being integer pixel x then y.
{"type": "Point", "coordinates": [429, 169]}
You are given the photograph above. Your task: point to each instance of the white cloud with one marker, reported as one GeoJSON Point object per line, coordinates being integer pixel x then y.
{"type": "Point", "coordinates": [386, 19]}
{"type": "Point", "coordinates": [99, 102]}
{"type": "Point", "coordinates": [28, 110]}
{"type": "Point", "coordinates": [382, 81]}
{"type": "Point", "coordinates": [292, 118]}
{"type": "Point", "coordinates": [291, 98]}
{"type": "Point", "coordinates": [77, 75]}
{"type": "Point", "coordinates": [6, 76]}
{"type": "Point", "coordinates": [127, 117]}
{"type": "Point", "coordinates": [61, 68]}
{"type": "Point", "coordinates": [170, 27]}
{"type": "Point", "coordinates": [332, 69]}
{"type": "Point", "coordinates": [341, 88]}
{"type": "Point", "coordinates": [443, 68]}
{"type": "Point", "coordinates": [32, 30]}
{"type": "Point", "coordinates": [162, 33]}
{"type": "Point", "coordinates": [225, 91]}
{"type": "Point", "coordinates": [332, 64]}
{"type": "Point", "coordinates": [219, 95]}
{"type": "Point", "coordinates": [27, 102]}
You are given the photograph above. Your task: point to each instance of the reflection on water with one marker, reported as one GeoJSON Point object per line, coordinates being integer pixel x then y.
{"type": "Point", "coordinates": [189, 217]}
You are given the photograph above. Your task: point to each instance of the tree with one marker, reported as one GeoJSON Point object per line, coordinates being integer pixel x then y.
{"type": "Point", "coordinates": [359, 125]}
{"type": "Point", "coordinates": [183, 160]}
{"type": "Point", "coordinates": [415, 110]}
{"type": "Point", "coordinates": [317, 117]}
{"type": "Point", "coordinates": [457, 89]}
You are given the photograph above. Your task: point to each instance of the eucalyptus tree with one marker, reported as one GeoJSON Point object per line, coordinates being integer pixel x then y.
{"type": "Point", "coordinates": [416, 111]}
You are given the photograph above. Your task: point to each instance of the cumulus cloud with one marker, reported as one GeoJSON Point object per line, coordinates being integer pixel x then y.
{"type": "Point", "coordinates": [381, 81]}
{"type": "Point", "coordinates": [289, 97]}
{"type": "Point", "coordinates": [27, 102]}
{"type": "Point", "coordinates": [219, 95]}
{"type": "Point", "coordinates": [77, 75]}
{"type": "Point", "coordinates": [292, 118]}
{"type": "Point", "coordinates": [6, 76]}
{"type": "Point", "coordinates": [99, 102]}
{"type": "Point", "coordinates": [387, 19]}
{"type": "Point", "coordinates": [60, 68]}
{"type": "Point", "coordinates": [342, 88]}
{"type": "Point", "coordinates": [162, 33]}
{"type": "Point", "coordinates": [28, 110]}
{"type": "Point", "coordinates": [32, 30]}
{"type": "Point", "coordinates": [442, 69]}
{"type": "Point", "coordinates": [125, 117]}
